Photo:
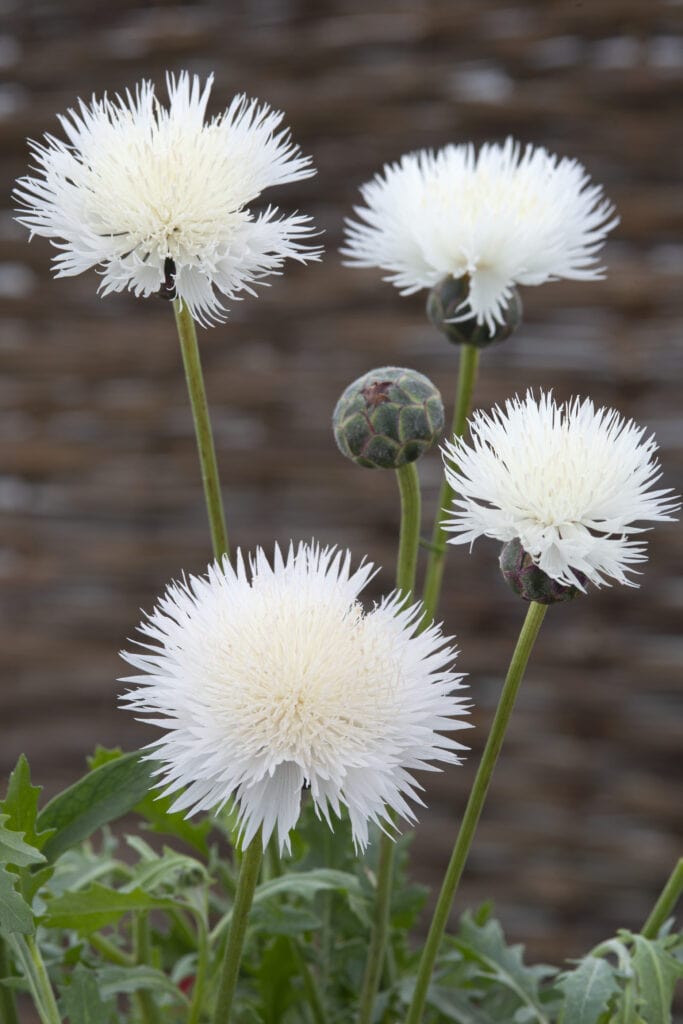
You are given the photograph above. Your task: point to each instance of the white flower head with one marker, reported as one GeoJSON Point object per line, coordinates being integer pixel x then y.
{"type": "Point", "coordinates": [157, 196]}
{"type": "Point", "coordinates": [504, 216]}
{"type": "Point", "coordinates": [271, 678]}
{"type": "Point", "coordinates": [568, 481]}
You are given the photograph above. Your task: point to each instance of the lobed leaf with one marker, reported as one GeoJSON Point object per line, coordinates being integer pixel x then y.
{"type": "Point", "coordinates": [16, 915]}
{"type": "Point", "coordinates": [587, 990]}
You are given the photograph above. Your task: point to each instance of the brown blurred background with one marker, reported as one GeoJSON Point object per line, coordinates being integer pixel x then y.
{"type": "Point", "coordinates": [99, 489]}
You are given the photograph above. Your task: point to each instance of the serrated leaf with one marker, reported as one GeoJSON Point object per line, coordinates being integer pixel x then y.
{"type": "Point", "coordinates": [169, 869]}
{"type": "Point", "coordinates": [485, 946]}
{"type": "Point", "coordinates": [657, 972]}
{"type": "Point", "coordinates": [13, 849]}
{"type": "Point", "coordinates": [105, 794]}
{"type": "Point", "coordinates": [82, 1001]}
{"type": "Point", "coordinates": [15, 913]}
{"type": "Point", "coordinates": [98, 906]}
{"type": "Point", "coordinates": [587, 990]}
{"type": "Point", "coordinates": [455, 1006]}
{"type": "Point", "coordinates": [103, 755]}
{"type": "Point", "coordinates": [125, 980]}
{"type": "Point", "coordinates": [21, 805]}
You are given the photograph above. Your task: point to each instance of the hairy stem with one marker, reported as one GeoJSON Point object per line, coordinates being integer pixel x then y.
{"type": "Point", "coordinates": [467, 375]}
{"type": "Point", "coordinates": [409, 539]}
{"type": "Point", "coordinates": [246, 884]}
{"type": "Point", "coordinates": [520, 657]}
{"type": "Point", "coordinates": [202, 425]}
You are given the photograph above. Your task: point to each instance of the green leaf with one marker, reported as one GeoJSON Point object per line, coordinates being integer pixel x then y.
{"type": "Point", "coordinates": [15, 913]}
{"type": "Point", "coordinates": [105, 794]}
{"type": "Point", "coordinates": [125, 980]}
{"type": "Point", "coordinates": [308, 884]}
{"type": "Point", "coordinates": [455, 1006]}
{"type": "Point", "coordinates": [276, 971]}
{"type": "Point", "coordinates": [171, 869]}
{"type": "Point", "coordinates": [155, 810]}
{"type": "Point", "coordinates": [274, 919]}
{"type": "Point", "coordinates": [13, 849]}
{"type": "Point", "coordinates": [82, 1001]}
{"type": "Point", "coordinates": [485, 946]}
{"type": "Point", "coordinates": [21, 805]}
{"type": "Point", "coordinates": [657, 973]}
{"type": "Point", "coordinates": [94, 908]}
{"type": "Point", "coordinates": [587, 990]}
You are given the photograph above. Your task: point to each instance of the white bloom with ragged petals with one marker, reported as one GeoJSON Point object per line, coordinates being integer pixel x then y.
{"type": "Point", "coordinates": [504, 216]}
{"type": "Point", "coordinates": [268, 679]}
{"type": "Point", "coordinates": [568, 481]}
{"type": "Point", "coordinates": [137, 185]}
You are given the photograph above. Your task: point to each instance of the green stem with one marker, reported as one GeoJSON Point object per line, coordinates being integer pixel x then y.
{"type": "Point", "coordinates": [249, 873]}
{"type": "Point", "coordinates": [518, 664]}
{"type": "Point", "coordinates": [149, 1011]}
{"type": "Point", "coordinates": [110, 951]}
{"type": "Point", "coordinates": [664, 906]}
{"type": "Point", "coordinates": [312, 994]}
{"type": "Point", "coordinates": [8, 1008]}
{"type": "Point", "coordinates": [380, 930]}
{"type": "Point", "coordinates": [467, 375]}
{"type": "Point", "coordinates": [409, 540]}
{"type": "Point", "coordinates": [202, 970]}
{"type": "Point", "coordinates": [202, 425]}
{"type": "Point", "coordinates": [46, 1002]}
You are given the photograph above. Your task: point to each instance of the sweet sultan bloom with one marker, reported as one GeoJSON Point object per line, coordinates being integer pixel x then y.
{"type": "Point", "coordinates": [502, 217]}
{"type": "Point", "coordinates": [269, 678]}
{"type": "Point", "coordinates": [158, 198]}
{"type": "Point", "coordinates": [568, 481]}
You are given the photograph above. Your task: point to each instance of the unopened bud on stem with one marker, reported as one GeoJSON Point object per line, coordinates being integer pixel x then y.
{"type": "Point", "coordinates": [444, 304]}
{"type": "Point", "coordinates": [388, 418]}
{"type": "Point", "coordinates": [528, 581]}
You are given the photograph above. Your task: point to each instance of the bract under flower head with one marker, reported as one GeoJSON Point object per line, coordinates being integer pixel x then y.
{"type": "Point", "coordinates": [268, 679]}
{"type": "Point", "coordinates": [502, 217]}
{"type": "Point", "coordinates": [158, 197]}
{"type": "Point", "coordinates": [568, 481]}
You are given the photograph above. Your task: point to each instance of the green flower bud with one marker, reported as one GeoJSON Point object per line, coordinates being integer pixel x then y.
{"type": "Point", "coordinates": [388, 417]}
{"type": "Point", "coordinates": [443, 303]}
{"type": "Point", "coordinates": [531, 583]}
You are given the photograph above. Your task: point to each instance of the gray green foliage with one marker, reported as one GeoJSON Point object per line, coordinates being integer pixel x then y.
{"type": "Point", "coordinates": [310, 924]}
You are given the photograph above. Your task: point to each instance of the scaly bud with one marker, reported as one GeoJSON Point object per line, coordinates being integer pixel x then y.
{"type": "Point", "coordinates": [388, 417]}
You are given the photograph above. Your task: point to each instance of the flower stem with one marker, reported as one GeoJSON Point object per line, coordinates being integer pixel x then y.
{"type": "Point", "coordinates": [409, 540]}
{"type": "Point", "coordinates": [39, 982]}
{"type": "Point", "coordinates": [668, 899]}
{"type": "Point", "coordinates": [525, 643]}
{"type": "Point", "coordinates": [149, 1011]}
{"type": "Point", "coordinates": [467, 375]}
{"type": "Point", "coordinates": [202, 971]}
{"type": "Point", "coordinates": [8, 1007]}
{"type": "Point", "coordinates": [248, 878]}
{"type": "Point", "coordinates": [202, 425]}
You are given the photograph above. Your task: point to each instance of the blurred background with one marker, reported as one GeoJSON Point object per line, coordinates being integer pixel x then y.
{"type": "Point", "coordinates": [100, 497]}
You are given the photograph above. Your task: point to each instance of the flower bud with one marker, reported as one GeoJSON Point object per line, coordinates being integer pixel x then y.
{"type": "Point", "coordinates": [446, 298]}
{"type": "Point", "coordinates": [388, 418]}
{"type": "Point", "coordinates": [528, 581]}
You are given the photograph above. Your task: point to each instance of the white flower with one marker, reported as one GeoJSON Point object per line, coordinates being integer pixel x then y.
{"type": "Point", "coordinates": [566, 480]}
{"type": "Point", "coordinates": [502, 217]}
{"type": "Point", "coordinates": [269, 680]}
{"type": "Point", "coordinates": [158, 196]}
